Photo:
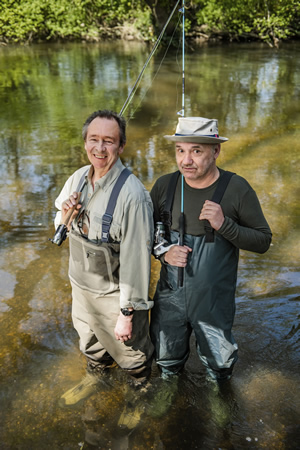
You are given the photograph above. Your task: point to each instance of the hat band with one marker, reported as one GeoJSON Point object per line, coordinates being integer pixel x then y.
{"type": "Point", "coordinates": [196, 135]}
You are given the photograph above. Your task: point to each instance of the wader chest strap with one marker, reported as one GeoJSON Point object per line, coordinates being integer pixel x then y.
{"type": "Point", "coordinates": [108, 216]}
{"type": "Point", "coordinates": [216, 198]}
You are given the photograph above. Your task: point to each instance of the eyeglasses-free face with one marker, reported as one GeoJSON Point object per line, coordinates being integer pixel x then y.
{"type": "Point", "coordinates": [102, 145]}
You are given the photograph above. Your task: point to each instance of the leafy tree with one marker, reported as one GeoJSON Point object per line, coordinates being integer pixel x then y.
{"type": "Point", "coordinates": [269, 20]}
{"type": "Point", "coordinates": [28, 20]}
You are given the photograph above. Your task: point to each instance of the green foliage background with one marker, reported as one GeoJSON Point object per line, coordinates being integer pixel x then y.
{"type": "Point", "coordinates": [269, 20]}
{"type": "Point", "coordinates": [93, 20]}
{"type": "Point", "coordinates": [28, 20]}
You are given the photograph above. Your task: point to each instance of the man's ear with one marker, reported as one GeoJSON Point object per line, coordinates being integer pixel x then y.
{"type": "Point", "coordinates": [217, 149]}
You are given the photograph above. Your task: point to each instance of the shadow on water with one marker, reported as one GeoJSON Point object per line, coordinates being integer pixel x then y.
{"type": "Point", "coordinates": [46, 92]}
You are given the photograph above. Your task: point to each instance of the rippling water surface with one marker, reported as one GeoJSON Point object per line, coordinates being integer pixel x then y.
{"type": "Point", "coordinates": [46, 93]}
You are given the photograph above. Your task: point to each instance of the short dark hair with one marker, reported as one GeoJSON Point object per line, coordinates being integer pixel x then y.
{"type": "Point", "coordinates": [106, 114]}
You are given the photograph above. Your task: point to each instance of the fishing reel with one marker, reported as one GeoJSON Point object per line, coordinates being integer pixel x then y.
{"type": "Point", "coordinates": [160, 241]}
{"type": "Point", "coordinates": [60, 235]}
{"type": "Point", "coordinates": [62, 229]}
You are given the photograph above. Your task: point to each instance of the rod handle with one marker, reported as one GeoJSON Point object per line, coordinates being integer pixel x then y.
{"type": "Point", "coordinates": [181, 234]}
{"type": "Point", "coordinates": [70, 212]}
{"type": "Point", "coordinates": [180, 277]}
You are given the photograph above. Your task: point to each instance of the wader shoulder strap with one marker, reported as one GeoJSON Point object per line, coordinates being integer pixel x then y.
{"type": "Point", "coordinates": [216, 198]}
{"type": "Point", "coordinates": [108, 216]}
{"type": "Point", "coordinates": [167, 212]}
{"type": "Point", "coordinates": [82, 183]}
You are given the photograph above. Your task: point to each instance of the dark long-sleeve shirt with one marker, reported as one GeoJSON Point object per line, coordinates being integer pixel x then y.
{"type": "Point", "coordinates": [244, 226]}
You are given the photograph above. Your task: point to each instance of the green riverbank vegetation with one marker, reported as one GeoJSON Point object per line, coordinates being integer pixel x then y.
{"type": "Point", "coordinates": [26, 21]}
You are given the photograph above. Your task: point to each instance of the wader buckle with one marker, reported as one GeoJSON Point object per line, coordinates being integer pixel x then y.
{"type": "Point", "coordinates": [106, 219]}
{"type": "Point", "coordinates": [106, 222]}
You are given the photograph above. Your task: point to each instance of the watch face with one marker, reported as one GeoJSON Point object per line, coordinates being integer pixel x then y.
{"type": "Point", "coordinates": [126, 312]}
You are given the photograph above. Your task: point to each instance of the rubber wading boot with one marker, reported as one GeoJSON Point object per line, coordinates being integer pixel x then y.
{"type": "Point", "coordinates": [98, 368]}
{"type": "Point", "coordinates": [219, 407]}
{"type": "Point", "coordinates": [164, 397]}
{"type": "Point", "coordinates": [86, 387]}
{"type": "Point", "coordinates": [135, 404]}
{"type": "Point", "coordinates": [131, 416]}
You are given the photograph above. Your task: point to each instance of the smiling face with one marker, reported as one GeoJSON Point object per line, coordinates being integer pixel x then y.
{"type": "Point", "coordinates": [102, 145]}
{"type": "Point", "coordinates": [197, 162]}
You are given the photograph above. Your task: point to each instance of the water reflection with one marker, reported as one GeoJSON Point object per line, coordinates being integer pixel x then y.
{"type": "Point", "coordinates": [46, 92]}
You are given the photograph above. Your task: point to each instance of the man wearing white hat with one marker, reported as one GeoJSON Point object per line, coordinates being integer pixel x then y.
{"type": "Point", "coordinates": [222, 214]}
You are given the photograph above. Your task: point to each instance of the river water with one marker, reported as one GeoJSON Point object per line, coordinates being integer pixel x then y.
{"type": "Point", "coordinates": [46, 93]}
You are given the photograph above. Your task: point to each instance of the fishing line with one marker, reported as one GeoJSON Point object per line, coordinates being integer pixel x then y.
{"type": "Point", "coordinates": [136, 84]}
{"type": "Point", "coordinates": [156, 73]}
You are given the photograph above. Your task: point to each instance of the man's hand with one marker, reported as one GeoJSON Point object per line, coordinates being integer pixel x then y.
{"type": "Point", "coordinates": [177, 255]}
{"type": "Point", "coordinates": [68, 206]}
{"type": "Point", "coordinates": [123, 328]}
{"type": "Point", "coordinates": [212, 212]}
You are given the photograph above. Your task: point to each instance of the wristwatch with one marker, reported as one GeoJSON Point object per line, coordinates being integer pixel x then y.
{"type": "Point", "coordinates": [127, 312]}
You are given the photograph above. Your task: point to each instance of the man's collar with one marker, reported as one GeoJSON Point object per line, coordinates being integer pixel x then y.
{"type": "Point", "coordinates": [113, 173]}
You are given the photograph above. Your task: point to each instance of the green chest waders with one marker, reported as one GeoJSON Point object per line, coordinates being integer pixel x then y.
{"type": "Point", "coordinates": [204, 304]}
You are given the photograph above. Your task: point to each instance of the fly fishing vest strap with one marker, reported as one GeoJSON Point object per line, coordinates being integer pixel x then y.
{"type": "Point", "coordinates": [108, 216]}
{"type": "Point", "coordinates": [216, 198]}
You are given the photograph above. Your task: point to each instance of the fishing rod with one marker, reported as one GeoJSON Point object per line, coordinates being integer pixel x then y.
{"type": "Point", "coordinates": [181, 113]}
{"type": "Point", "coordinates": [61, 231]}
{"type": "Point", "coordinates": [181, 233]}
{"type": "Point", "coordinates": [136, 84]}
{"type": "Point", "coordinates": [182, 10]}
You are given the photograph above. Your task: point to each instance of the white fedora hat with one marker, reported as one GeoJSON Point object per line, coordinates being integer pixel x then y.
{"type": "Point", "coordinates": [197, 129]}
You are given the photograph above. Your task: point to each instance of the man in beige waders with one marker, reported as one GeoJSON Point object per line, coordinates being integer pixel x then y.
{"type": "Point", "coordinates": [110, 242]}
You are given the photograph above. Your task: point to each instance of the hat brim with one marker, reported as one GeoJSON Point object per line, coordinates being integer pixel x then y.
{"type": "Point", "coordinates": [196, 139]}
